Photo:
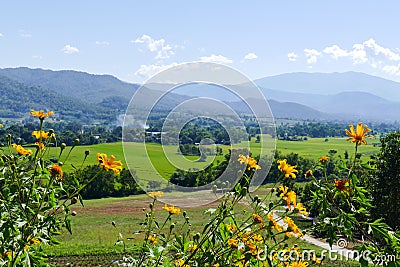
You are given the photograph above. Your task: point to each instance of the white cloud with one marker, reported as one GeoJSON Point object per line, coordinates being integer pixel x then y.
{"type": "Point", "coordinates": [250, 56]}
{"type": "Point", "coordinates": [163, 49]}
{"type": "Point", "coordinates": [216, 59]}
{"type": "Point", "coordinates": [292, 56]}
{"type": "Point", "coordinates": [105, 43]}
{"type": "Point", "coordinates": [68, 49]}
{"type": "Point", "coordinates": [335, 51]}
{"type": "Point", "coordinates": [146, 71]}
{"type": "Point", "coordinates": [312, 55]}
{"type": "Point", "coordinates": [1, 35]}
{"type": "Point", "coordinates": [381, 51]}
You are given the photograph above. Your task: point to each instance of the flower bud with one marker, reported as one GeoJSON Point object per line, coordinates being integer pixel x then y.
{"type": "Point", "coordinates": [63, 146]}
{"type": "Point", "coordinates": [114, 224]}
{"type": "Point", "coordinates": [73, 213]}
{"type": "Point", "coordinates": [172, 226]}
{"type": "Point", "coordinates": [76, 142]}
{"type": "Point", "coordinates": [184, 213]}
{"type": "Point", "coordinates": [214, 188]}
{"type": "Point", "coordinates": [51, 132]}
{"type": "Point", "coordinates": [87, 152]}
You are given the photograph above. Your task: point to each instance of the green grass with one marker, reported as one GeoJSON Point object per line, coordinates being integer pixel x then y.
{"type": "Point", "coordinates": [138, 157]}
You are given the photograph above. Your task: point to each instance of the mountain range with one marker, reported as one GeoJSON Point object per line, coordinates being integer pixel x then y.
{"type": "Point", "coordinates": [93, 98]}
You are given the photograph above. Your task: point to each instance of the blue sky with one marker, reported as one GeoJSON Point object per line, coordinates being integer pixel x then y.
{"type": "Point", "coordinates": [134, 39]}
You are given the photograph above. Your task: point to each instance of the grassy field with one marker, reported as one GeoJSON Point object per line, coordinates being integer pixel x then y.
{"type": "Point", "coordinates": [93, 239]}
{"type": "Point", "coordinates": [93, 233]}
{"type": "Point", "coordinates": [137, 156]}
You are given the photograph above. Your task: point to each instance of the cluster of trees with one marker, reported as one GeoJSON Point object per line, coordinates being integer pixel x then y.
{"type": "Point", "coordinates": [297, 131]}
{"type": "Point", "coordinates": [106, 183]}
{"type": "Point", "coordinates": [67, 132]}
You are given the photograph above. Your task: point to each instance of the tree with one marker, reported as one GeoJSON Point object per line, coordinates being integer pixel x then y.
{"type": "Point", "coordinates": [386, 181]}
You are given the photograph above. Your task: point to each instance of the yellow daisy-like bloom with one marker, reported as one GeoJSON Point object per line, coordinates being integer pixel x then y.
{"type": "Point", "coordinates": [40, 114]}
{"type": "Point", "coordinates": [193, 248]}
{"type": "Point", "coordinates": [56, 172]}
{"type": "Point", "coordinates": [181, 262]}
{"type": "Point", "coordinates": [359, 134]}
{"type": "Point", "coordinates": [233, 243]}
{"type": "Point", "coordinates": [172, 209]}
{"type": "Point", "coordinates": [231, 227]}
{"type": "Point", "coordinates": [288, 169]}
{"type": "Point", "coordinates": [288, 196]}
{"type": "Point", "coordinates": [40, 134]}
{"type": "Point", "coordinates": [251, 162]}
{"type": "Point", "coordinates": [112, 164]}
{"type": "Point", "coordinates": [293, 227]}
{"type": "Point", "coordinates": [22, 151]}
{"type": "Point", "coordinates": [291, 198]}
{"type": "Point", "coordinates": [301, 209]}
{"type": "Point", "coordinates": [26, 248]}
{"type": "Point", "coordinates": [152, 239]}
{"type": "Point", "coordinates": [323, 159]}
{"type": "Point", "coordinates": [155, 194]}
{"type": "Point", "coordinates": [40, 145]}
{"type": "Point", "coordinates": [299, 264]}
{"type": "Point", "coordinates": [257, 218]}
{"type": "Point", "coordinates": [8, 253]}
{"type": "Point", "coordinates": [34, 241]}
{"type": "Point", "coordinates": [276, 226]}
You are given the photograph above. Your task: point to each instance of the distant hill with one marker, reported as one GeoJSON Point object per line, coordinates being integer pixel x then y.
{"type": "Point", "coordinates": [332, 83]}
{"type": "Point", "coordinates": [79, 85]}
{"type": "Point", "coordinates": [18, 98]}
{"type": "Point", "coordinates": [95, 98]}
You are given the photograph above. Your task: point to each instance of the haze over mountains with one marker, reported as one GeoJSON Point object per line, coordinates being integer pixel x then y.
{"type": "Point", "coordinates": [101, 98]}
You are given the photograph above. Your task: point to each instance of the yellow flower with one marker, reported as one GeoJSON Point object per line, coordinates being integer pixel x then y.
{"type": "Point", "coordinates": [288, 196]}
{"type": "Point", "coordinates": [40, 114]}
{"type": "Point", "coordinates": [172, 209]}
{"type": "Point", "coordinates": [293, 227]}
{"type": "Point", "coordinates": [251, 162]}
{"type": "Point", "coordinates": [193, 248]}
{"type": "Point", "coordinates": [257, 218]}
{"type": "Point", "coordinates": [40, 145]}
{"type": "Point", "coordinates": [301, 209]}
{"type": "Point", "coordinates": [34, 241]}
{"type": "Point", "coordinates": [231, 227]}
{"type": "Point", "coordinates": [276, 226]}
{"type": "Point", "coordinates": [21, 150]}
{"type": "Point", "coordinates": [106, 164]}
{"type": "Point", "coordinates": [56, 172]}
{"type": "Point", "coordinates": [155, 194]}
{"type": "Point", "coordinates": [288, 169]}
{"type": "Point", "coordinates": [40, 134]}
{"type": "Point", "coordinates": [233, 243]}
{"type": "Point", "coordinates": [8, 253]}
{"type": "Point", "coordinates": [152, 239]}
{"type": "Point", "coordinates": [291, 198]}
{"type": "Point", "coordinates": [26, 248]}
{"type": "Point", "coordinates": [299, 264]}
{"type": "Point", "coordinates": [359, 134]}
{"type": "Point", "coordinates": [323, 159]}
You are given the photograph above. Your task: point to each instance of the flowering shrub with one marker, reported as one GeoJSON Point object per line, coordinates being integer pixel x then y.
{"type": "Point", "coordinates": [35, 203]}
{"type": "Point", "coordinates": [249, 230]}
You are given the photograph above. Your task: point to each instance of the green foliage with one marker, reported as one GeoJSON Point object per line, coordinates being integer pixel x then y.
{"type": "Point", "coordinates": [106, 184]}
{"type": "Point", "coordinates": [386, 181]}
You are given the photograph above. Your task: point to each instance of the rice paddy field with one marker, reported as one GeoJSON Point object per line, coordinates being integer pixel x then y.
{"type": "Point", "coordinates": [94, 237]}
